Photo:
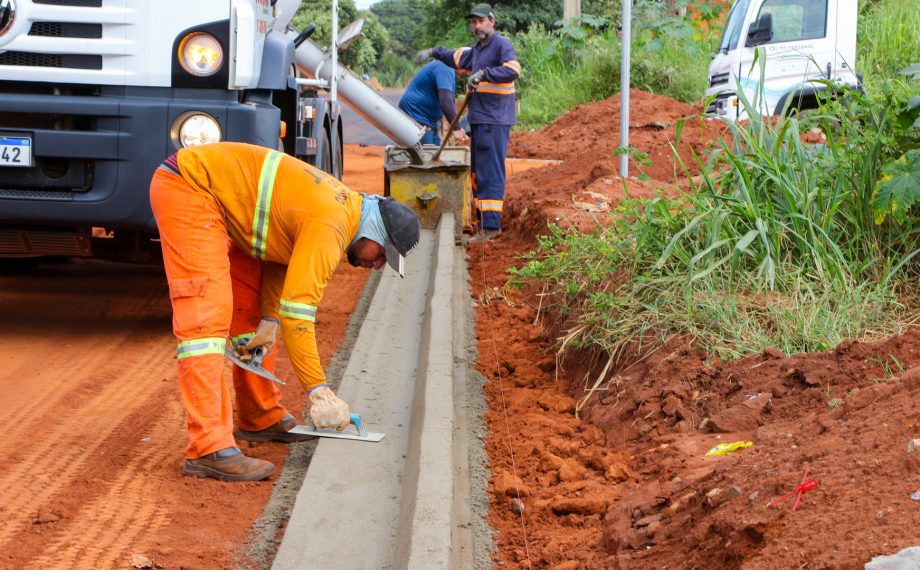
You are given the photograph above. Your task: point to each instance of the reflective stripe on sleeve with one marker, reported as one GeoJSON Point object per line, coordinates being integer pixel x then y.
{"type": "Point", "coordinates": [235, 340]}
{"type": "Point", "coordinates": [513, 65]}
{"type": "Point", "coordinates": [199, 346]}
{"type": "Point", "coordinates": [498, 88]}
{"type": "Point", "coordinates": [260, 218]}
{"type": "Point", "coordinates": [299, 311]}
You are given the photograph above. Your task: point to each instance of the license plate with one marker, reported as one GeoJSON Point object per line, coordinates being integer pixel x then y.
{"type": "Point", "coordinates": [15, 151]}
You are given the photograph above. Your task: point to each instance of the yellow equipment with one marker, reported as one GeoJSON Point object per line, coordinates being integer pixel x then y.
{"type": "Point", "coordinates": [432, 187]}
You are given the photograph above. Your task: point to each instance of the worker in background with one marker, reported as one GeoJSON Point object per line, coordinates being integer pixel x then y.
{"type": "Point", "coordinates": [250, 239]}
{"type": "Point", "coordinates": [493, 67]}
{"type": "Point", "coordinates": [429, 97]}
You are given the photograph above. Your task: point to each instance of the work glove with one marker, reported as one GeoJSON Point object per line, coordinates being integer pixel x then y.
{"type": "Point", "coordinates": [328, 411]}
{"type": "Point", "coordinates": [423, 55]}
{"type": "Point", "coordinates": [264, 336]}
{"type": "Point", "coordinates": [472, 83]}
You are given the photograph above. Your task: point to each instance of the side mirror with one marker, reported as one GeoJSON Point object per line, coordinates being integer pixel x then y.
{"type": "Point", "coordinates": [349, 34]}
{"type": "Point", "coordinates": [761, 32]}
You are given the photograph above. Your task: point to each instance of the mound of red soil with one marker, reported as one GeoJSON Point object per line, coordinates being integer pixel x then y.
{"type": "Point", "coordinates": [628, 484]}
{"type": "Point", "coordinates": [587, 183]}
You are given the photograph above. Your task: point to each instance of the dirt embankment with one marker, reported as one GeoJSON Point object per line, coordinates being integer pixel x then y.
{"type": "Point", "coordinates": [629, 484]}
{"type": "Point", "coordinates": [94, 428]}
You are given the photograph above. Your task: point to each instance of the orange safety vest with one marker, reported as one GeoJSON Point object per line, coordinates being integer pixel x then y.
{"type": "Point", "coordinates": [295, 218]}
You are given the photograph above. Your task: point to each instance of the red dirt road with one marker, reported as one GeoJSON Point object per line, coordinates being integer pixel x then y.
{"type": "Point", "coordinates": [93, 427]}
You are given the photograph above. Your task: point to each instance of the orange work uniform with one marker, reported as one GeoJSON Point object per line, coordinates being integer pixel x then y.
{"type": "Point", "coordinates": [246, 232]}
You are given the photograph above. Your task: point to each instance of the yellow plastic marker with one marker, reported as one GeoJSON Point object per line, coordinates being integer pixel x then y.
{"type": "Point", "coordinates": [725, 448]}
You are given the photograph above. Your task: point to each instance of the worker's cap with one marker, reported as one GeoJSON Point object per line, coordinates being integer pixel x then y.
{"type": "Point", "coordinates": [481, 11]}
{"type": "Point", "coordinates": [401, 223]}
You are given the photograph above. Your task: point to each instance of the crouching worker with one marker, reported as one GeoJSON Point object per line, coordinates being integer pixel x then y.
{"type": "Point", "coordinates": [250, 239]}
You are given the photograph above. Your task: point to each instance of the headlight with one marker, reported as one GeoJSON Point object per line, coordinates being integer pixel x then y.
{"type": "Point", "coordinates": [201, 54]}
{"type": "Point", "coordinates": [195, 129]}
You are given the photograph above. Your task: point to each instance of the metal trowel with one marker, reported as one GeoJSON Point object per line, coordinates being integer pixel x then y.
{"type": "Point", "coordinates": [254, 365]}
{"type": "Point", "coordinates": [357, 434]}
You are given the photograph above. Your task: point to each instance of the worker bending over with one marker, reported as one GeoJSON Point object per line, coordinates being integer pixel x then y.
{"type": "Point", "coordinates": [429, 97]}
{"type": "Point", "coordinates": [250, 239]}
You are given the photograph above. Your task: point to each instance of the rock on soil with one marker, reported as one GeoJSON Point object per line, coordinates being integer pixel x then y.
{"type": "Point", "coordinates": [907, 559]}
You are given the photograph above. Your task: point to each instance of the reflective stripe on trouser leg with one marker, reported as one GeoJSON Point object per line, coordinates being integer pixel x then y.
{"type": "Point", "coordinates": [258, 401]}
{"type": "Point", "coordinates": [199, 346]}
{"type": "Point", "coordinates": [489, 144]}
{"type": "Point", "coordinates": [194, 240]}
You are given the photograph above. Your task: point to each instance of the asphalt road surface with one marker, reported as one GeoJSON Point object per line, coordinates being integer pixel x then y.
{"type": "Point", "coordinates": [359, 131]}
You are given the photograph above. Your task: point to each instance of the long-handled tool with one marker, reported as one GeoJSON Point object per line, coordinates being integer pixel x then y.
{"type": "Point", "coordinates": [357, 434]}
{"type": "Point", "coordinates": [254, 365]}
{"type": "Point", "coordinates": [450, 129]}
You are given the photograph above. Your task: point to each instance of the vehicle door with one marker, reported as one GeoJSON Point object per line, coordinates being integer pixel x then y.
{"type": "Point", "coordinates": [802, 48]}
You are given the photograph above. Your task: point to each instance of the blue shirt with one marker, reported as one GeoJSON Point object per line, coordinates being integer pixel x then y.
{"type": "Point", "coordinates": [494, 100]}
{"type": "Point", "coordinates": [420, 101]}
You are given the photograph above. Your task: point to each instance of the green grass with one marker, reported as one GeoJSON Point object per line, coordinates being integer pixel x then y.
{"type": "Point", "coordinates": [888, 39]}
{"type": "Point", "coordinates": [394, 71]}
{"type": "Point", "coordinates": [778, 247]}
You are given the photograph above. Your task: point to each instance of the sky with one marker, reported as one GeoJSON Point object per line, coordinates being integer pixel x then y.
{"type": "Point", "coordinates": [364, 4]}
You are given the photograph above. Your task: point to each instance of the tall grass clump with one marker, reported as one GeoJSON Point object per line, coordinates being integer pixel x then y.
{"type": "Point", "coordinates": [781, 244]}
{"type": "Point", "coordinates": [565, 69]}
{"type": "Point", "coordinates": [888, 39]}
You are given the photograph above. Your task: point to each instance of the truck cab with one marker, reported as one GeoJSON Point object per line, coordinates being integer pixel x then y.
{"type": "Point", "coordinates": [95, 94]}
{"type": "Point", "coordinates": [798, 41]}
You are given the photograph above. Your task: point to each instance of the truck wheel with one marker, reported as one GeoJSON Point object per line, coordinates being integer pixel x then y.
{"type": "Point", "coordinates": [324, 153]}
{"type": "Point", "coordinates": [339, 160]}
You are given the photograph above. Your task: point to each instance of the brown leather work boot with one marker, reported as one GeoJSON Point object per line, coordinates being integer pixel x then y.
{"type": "Point", "coordinates": [228, 465]}
{"type": "Point", "coordinates": [277, 432]}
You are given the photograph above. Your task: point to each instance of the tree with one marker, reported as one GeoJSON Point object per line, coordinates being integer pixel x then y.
{"type": "Point", "coordinates": [403, 19]}
{"type": "Point", "coordinates": [445, 20]}
{"type": "Point", "coordinates": [361, 55]}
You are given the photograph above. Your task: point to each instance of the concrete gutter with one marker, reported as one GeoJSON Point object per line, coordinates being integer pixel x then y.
{"type": "Point", "coordinates": [403, 502]}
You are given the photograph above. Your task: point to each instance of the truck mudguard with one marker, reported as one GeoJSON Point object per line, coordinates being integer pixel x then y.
{"type": "Point", "coordinates": [277, 59]}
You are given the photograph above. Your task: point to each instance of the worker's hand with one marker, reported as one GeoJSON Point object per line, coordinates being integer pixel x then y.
{"type": "Point", "coordinates": [459, 135]}
{"type": "Point", "coordinates": [265, 336]}
{"type": "Point", "coordinates": [423, 55]}
{"type": "Point", "coordinates": [328, 411]}
{"type": "Point", "coordinates": [473, 81]}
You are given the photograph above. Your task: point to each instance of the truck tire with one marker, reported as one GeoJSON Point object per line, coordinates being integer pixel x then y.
{"type": "Point", "coordinates": [339, 159]}
{"type": "Point", "coordinates": [323, 159]}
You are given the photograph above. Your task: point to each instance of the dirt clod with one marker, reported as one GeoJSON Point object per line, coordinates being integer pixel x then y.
{"type": "Point", "coordinates": [579, 506]}
{"type": "Point", "coordinates": [505, 483]}
{"type": "Point", "coordinates": [141, 561]}
{"type": "Point", "coordinates": [45, 517]}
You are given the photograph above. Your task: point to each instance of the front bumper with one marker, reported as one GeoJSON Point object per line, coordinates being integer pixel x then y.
{"type": "Point", "coordinates": [95, 152]}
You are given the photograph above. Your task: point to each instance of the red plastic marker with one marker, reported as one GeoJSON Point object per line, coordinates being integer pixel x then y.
{"type": "Point", "coordinates": [807, 485]}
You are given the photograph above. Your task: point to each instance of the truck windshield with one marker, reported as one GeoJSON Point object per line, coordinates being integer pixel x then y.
{"type": "Point", "coordinates": [796, 20]}
{"type": "Point", "coordinates": [733, 26]}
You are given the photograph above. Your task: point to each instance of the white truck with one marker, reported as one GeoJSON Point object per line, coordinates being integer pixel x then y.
{"type": "Point", "coordinates": [800, 41]}
{"type": "Point", "coordinates": [94, 94]}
